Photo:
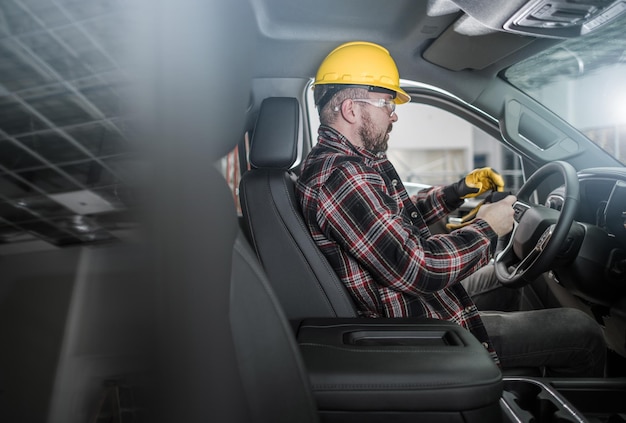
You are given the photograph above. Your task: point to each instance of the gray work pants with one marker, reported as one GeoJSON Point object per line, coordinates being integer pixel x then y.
{"type": "Point", "coordinates": [565, 342]}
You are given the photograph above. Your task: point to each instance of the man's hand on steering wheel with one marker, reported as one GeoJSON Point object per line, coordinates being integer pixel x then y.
{"type": "Point", "coordinates": [499, 215]}
{"type": "Point", "coordinates": [540, 231]}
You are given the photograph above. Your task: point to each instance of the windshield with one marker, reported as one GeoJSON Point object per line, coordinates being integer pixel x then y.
{"type": "Point", "coordinates": [583, 80]}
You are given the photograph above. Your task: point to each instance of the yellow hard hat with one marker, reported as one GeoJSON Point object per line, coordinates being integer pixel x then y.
{"type": "Point", "coordinates": [362, 63]}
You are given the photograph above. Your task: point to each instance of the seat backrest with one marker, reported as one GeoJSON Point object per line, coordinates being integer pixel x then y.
{"type": "Point", "coordinates": [303, 280]}
{"type": "Point", "coordinates": [272, 370]}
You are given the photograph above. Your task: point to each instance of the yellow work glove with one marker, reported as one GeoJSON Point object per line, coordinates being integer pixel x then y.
{"type": "Point", "coordinates": [466, 220]}
{"type": "Point", "coordinates": [478, 182]}
{"type": "Point", "coordinates": [469, 217]}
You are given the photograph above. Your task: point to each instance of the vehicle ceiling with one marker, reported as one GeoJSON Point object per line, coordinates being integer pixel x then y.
{"type": "Point", "coordinates": [294, 39]}
{"type": "Point", "coordinates": [67, 160]}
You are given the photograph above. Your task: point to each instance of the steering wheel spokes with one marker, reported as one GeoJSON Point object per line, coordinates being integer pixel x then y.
{"type": "Point", "coordinates": [538, 231]}
{"type": "Point", "coordinates": [544, 239]}
{"type": "Point", "coordinates": [519, 208]}
{"type": "Point", "coordinates": [528, 261]}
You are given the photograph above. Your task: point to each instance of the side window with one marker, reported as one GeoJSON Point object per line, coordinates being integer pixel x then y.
{"type": "Point", "coordinates": [430, 146]}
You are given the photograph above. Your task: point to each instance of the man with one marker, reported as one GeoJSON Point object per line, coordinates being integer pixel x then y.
{"type": "Point", "coordinates": [377, 238]}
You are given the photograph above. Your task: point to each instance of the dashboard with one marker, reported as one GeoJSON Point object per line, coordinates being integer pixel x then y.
{"type": "Point", "coordinates": [602, 199]}
{"type": "Point", "coordinates": [597, 273]}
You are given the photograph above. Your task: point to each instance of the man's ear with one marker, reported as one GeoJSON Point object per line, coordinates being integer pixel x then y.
{"type": "Point", "coordinates": [348, 111]}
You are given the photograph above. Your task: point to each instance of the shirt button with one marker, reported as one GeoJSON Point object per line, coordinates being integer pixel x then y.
{"type": "Point", "coordinates": [394, 182]}
{"type": "Point", "coordinates": [469, 309]}
{"type": "Point", "coordinates": [486, 345]}
{"type": "Point", "coordinates": [414, 215]}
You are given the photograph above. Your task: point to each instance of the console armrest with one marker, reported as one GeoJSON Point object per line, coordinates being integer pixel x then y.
{"type": "Point", "coordinates": [397, 364]}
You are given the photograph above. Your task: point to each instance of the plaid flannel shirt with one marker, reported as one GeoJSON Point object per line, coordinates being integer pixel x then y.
{"type": "Point", "coordinates": [377, 238]}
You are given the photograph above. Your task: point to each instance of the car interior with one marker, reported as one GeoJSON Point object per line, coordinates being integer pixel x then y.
{"type": "Point", "coordinates": [154, 261]}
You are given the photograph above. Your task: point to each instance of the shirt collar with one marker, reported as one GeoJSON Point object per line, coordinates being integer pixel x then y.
{"type": "Point", "coordinates": [331, 137]}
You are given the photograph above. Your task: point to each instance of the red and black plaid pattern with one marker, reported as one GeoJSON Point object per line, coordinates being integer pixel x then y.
{"type": "Point", "coordinates": [377, 238]}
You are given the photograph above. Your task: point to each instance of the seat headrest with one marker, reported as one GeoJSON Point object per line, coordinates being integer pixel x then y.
{"type": "Point", "coordinates": [275, 140]}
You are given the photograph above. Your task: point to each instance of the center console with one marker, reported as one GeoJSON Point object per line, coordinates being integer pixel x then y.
{"type": "Point", "coordinates": [375, 370]}
{"type": "Point", "coordinates": [529, 400]}
{"type": "Point", "coordinates": [423, 370]}
{"type": "Point", "coordinates": [564, 400]}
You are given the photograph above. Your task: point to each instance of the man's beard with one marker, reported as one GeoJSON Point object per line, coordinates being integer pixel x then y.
{"type": "Point", "coordinates": [374, 142]}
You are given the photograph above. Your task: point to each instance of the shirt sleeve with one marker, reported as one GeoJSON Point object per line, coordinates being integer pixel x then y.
{"type": "Point", "coordinates": [432, 204]}
{"type": "Point", "coordinates": [356, 212]}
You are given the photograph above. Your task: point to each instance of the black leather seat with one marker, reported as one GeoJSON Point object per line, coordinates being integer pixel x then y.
{"type": "Point", "coordinates": [227, 352]}
{"type": "Point", "coordinates": [302, 278]}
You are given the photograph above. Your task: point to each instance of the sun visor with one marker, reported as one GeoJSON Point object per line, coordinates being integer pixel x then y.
{"type": "Point", "coordinates": [457, 50]}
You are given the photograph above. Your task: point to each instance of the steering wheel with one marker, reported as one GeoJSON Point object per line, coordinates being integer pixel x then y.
{"type": "Point", "coordinates": [539, 232]}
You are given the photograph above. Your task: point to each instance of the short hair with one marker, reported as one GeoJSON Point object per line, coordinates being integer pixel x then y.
{"type": "Point", "coordinates": [327, 110]}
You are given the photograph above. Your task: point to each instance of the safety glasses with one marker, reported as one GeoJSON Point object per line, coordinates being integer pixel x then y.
{"type": "Point", "coordinates": [379, 102]}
